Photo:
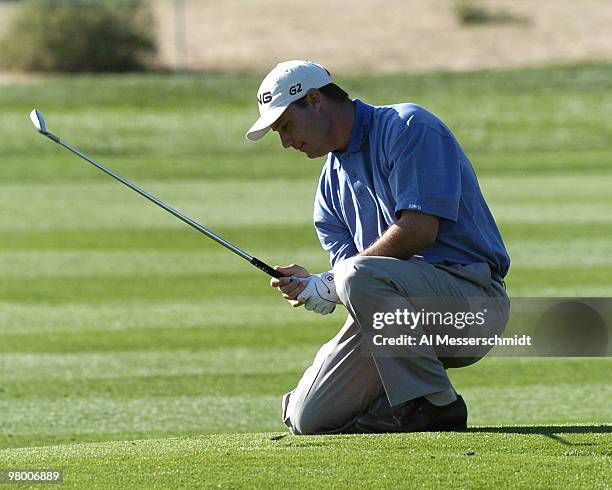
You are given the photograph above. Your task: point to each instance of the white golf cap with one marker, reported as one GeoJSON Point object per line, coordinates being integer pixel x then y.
{"type": "Point", "coordinates": [286, 83]}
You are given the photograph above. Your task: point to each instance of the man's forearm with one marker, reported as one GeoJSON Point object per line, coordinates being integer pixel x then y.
{"type": "Point", "coordinates": [408, 236]}
{"type": "Point", "coordinates": [395, 242]}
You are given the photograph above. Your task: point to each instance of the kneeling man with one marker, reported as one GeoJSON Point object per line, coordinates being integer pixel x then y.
{"type": "Point", "coordinates": [399, 209]}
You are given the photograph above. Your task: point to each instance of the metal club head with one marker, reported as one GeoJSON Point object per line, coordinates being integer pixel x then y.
{"type": "Point", "coordinates": [39, 121]}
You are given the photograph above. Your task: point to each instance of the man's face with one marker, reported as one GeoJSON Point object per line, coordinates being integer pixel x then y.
{"type": "Point", "coordinates": [304, 128]}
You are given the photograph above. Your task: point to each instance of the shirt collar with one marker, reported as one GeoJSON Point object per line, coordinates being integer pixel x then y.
{"type": "Point", "coordinates": [360, 130]}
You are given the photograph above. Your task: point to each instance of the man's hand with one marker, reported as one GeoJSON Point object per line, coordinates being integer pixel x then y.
{"type": "Point", "coordinates": [292, 284]}
{"type": "Point", "coordinates": [317, 292]}
{"type": "Point", "coordinates": [320, 293]}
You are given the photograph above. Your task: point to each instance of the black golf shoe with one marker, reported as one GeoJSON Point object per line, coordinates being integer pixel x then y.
{"type": "Point", "coordinates": [416, 416]}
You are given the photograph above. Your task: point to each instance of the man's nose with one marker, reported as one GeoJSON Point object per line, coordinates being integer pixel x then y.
{"type": "Point", "coordinates": [285, 140]}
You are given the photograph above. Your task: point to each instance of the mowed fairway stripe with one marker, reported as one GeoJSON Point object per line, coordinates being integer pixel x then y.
{"type": "Point", "coordinates": [90, 415]}
{"type": "Point", "coordinates": [562, 187]}
{"type": "Point", "coordinates": [198, 337]}
{"type": "Point", "coordinates": [565, 402]}
{"type": "Point", "coordinates": [27, 319]}
{"type": "Point", "coordinates": [256, 239]}
{"type": "Point", "coordinates": [264, 362]}
{"type": "Point", "coordinates": [153, 288]}
{"type": "Point", "coordinates": [108, 204]}
{"type": "Point", "coordinates": [131, 387]}
{"type": "Point", "coordinates": [531, 371]}
{"type": "Point", "coordinates": [560, 282]}
{"type": "Point", "coordinates": [554, 254]}
{"type": "Point", "coordinates": [591, 212]}
{"type": "Point", "coordinates": [84, 263]}
{"type": "Point", "coordinates": [141, 364]}
{"type": "Point", "coordinates": [148, 289]}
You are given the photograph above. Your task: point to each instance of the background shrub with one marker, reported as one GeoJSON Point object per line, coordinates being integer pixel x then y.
{"type": "Point", "coordinates": [472, 12]}
{"type": "Point", "coordinates": [79, 36]}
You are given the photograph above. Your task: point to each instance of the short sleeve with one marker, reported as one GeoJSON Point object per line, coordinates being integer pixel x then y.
{"type": "Point", "coordinates": [333, 233]}
{"type": "Point", "coordinates": [425, 174]}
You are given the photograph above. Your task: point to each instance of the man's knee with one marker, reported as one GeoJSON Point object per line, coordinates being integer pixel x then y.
{"type": "Point", "coordinates": [305, 420]}
{"type": "Point", "coordinates": [317, 413]}
{"type": "Point", "coordinates": [352, 275]}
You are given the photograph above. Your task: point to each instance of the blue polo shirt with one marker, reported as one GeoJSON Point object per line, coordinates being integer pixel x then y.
{"type": "Point", "coordinates": [403, 157]}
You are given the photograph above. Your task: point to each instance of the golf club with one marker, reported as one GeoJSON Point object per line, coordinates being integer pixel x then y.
{"type": "Point", "coordinates": [39, 123]}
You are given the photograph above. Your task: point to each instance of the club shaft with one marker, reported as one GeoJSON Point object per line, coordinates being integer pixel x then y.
{"type": "Point", "coordinates": [186, 219]}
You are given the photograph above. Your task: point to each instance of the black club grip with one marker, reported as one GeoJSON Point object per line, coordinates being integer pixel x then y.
{"type": "Point", "coordinates": [266, 268]}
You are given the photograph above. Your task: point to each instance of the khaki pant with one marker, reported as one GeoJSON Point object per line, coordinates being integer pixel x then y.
{"type": "Point", "coordinates": [347, 378]}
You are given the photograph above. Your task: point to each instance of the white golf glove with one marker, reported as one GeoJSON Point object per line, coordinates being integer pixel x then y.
{"type": "Point", "coordinates": [320, 293]}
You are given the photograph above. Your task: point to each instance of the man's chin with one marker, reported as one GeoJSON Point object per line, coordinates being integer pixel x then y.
{"type": "Point", "coordinates": [314, 154]}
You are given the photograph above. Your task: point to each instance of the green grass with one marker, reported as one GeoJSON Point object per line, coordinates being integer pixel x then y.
{"type": "Point", "coordinates": [122, 329]}
{"type": "Point", "coordinates": [155, 127]}
{"type": "Point", "coordinates": [491, 457]}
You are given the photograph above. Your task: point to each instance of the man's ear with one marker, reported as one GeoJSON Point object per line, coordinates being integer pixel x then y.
{"type": "Point", "coordinates": [313, 98]}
